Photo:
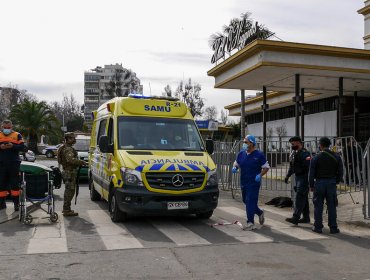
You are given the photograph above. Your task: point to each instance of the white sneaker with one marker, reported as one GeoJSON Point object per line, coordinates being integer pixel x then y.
{"type": "Point", "coordinates": [249, 226]}
{"type": "Point", "coordinates": [261, 218]}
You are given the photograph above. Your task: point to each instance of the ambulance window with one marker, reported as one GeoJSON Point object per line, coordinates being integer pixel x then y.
{"type": "Point", "coordinates": [102, 126]}
{"type": "Point", "coordinates": [110, 131]}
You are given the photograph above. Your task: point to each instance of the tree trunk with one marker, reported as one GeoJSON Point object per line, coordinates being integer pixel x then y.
{"type": "Point", "coordinates": [32, 144]}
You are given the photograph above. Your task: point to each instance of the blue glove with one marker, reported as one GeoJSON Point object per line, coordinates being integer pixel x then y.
{"type": "Point", "coordinates": [234, 170]}
{"type": "Point", "coordinates": [258, 178]}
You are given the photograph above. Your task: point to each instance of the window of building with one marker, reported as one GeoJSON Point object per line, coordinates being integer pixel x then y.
{"type": "Point", "coordinates": [313, 107]}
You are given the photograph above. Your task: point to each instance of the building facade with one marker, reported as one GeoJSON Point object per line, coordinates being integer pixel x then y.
{"type": "Point", "coordinates": [305, 89]}
{"type": "Point", "coordinates": [96, 83]}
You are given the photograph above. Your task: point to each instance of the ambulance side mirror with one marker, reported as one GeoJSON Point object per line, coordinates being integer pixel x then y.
{"type": "Point", "coordinates": [209, 146]}
{"type": "Point", "coordinates": [104, 145]}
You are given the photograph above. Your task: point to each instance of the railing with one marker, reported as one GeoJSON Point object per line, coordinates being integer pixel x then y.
{"type": "Point", "coordinates": [278, 155]}
{"type": "Point", "coordinates": [366, 160]}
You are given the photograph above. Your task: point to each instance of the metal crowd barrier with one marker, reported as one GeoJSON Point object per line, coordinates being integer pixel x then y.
{"type": "Point", "coordinates": [278, 155]}
{"type": "Point", "coordinates": [366, 161]}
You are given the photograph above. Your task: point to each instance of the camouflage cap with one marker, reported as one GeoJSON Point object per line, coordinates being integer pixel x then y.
{"type": "Point", "coordinates": [69, 135]}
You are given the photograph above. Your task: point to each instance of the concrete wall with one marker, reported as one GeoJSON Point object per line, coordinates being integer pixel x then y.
{"type": "Point", "coordinates": [321, 124]}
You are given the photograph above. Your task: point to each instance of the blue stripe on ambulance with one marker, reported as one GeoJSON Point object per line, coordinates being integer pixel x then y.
{"type": "Point", "coordinates": [182, 167]}
{"type": "Point", "coordinates": [156, 167]}
{"type": "Point", "coordinates": [172, 167]}
{"type": "Point", "coordinates": [139, 168]}
{"type": "Point", "coordinates": [194, 167]}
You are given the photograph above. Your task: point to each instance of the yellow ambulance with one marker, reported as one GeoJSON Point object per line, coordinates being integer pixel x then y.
{"type": "Point", "coordinates": [147, 157]}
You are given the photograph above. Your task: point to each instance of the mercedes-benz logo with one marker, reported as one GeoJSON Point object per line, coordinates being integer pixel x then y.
{"type": "Point", "coordinates": [177, 180]}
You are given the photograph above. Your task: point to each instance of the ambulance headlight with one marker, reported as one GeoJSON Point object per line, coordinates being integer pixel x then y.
{"type": "Point", "coordinates": [131, 177]}
{"type": "Point", "coordinates": [212, 177]}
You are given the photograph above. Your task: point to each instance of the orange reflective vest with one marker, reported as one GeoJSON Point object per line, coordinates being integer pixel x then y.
{"type": "Point", "coordinates": [14, 138]}
{"type": "Point", "coordinates": [18, 145]}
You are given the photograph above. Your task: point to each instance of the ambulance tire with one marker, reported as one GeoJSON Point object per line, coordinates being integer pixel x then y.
{"type": "Point", "coordinates": [205, 215]}
{"type": "Point", "coordinates": [94, 195]}
{"type": "Point", "coordinates": [116, 214]}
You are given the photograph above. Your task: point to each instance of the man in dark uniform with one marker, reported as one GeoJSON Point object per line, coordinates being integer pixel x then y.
{"type": "Point", "coordinates": [68, 159]}
{"type": "Point", "coordinates": [326, 170]}
{"type": "Point", "coordinates": [299, 165]}
{"type": "Point", "coordinates": [11, 143]}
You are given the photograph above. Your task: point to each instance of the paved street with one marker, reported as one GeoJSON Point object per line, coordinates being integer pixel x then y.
{"type": "Point", "coordinates": [90, 246]}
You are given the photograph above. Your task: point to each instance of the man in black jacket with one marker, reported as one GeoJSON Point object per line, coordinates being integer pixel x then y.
{"type": "Point", "coordinates": [299, 165]}
{"type": "Point", "coordinates": [326, 170]}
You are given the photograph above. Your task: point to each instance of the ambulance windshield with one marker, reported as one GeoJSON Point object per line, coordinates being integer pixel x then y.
{"type": "Point", "coordinates": [145, 133]}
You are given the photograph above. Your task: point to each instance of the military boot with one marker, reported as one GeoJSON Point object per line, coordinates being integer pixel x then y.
{"type": "Point", "coordinates": [2, 203]}
{"type": "Point", "coordinates": [16, 203]}
{"type": "Point", "coordinates": [69, 213]}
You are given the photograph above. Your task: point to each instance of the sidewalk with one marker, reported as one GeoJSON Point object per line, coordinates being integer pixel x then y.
{"type": "Point", "coordinates": [8, 213]}
{"type": "Point", "coordinates": [348, 212]}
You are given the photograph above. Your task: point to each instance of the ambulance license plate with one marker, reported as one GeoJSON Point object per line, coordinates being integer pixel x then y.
{"type": "Point", "coordinates": [177, 205]}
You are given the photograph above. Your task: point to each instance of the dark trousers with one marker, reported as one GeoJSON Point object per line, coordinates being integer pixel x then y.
{"type": "Point", "coordinates": [9, 178]}
{"type": "Point", "coordinates": [250, 198]}
{"type": "Point", "coordinates": [325, 189]}
{"type": "Point", "coordinates": [301, 199]}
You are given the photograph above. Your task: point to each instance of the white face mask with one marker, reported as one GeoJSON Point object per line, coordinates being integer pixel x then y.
{"type": "Point", "coordinates": [245, 146]}
{"type": "Point", "coordinates": [7, 131]}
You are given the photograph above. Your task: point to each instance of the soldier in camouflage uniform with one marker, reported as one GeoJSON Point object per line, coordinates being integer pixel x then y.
{"type": "Point", "coordinates": [67, 158]}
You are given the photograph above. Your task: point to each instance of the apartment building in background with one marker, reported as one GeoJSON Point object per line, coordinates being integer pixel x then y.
{"type": "Point", "coordinates": [96, 84]}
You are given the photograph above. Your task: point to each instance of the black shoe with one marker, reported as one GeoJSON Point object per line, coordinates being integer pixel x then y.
{"type": "Point", "coordinates": [293, 221]}
{"type": "Point", "coordinates": [304, 221]}
{"type": "Point", "coordinates": [2, 204]}
{"type": "Point", "coordinates": [334, 230]}
{"type": "Point", "coordinates": [316, 230]}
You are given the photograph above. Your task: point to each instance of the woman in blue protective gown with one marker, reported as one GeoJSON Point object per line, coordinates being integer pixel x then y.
{"type": "Point", "coordinates": [253, 165]}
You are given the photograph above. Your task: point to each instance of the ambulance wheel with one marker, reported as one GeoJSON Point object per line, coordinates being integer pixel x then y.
{"type": "Point", "coordinates": [54, 217]}
{"type": "Point", "coordinates": [116, 214]}
{"type": "Point", "coordinates": [205, 215]}
{"type": "Point", "coordinates": [28, 220]}
{"type": "Point", "coordinates": [94, 195]}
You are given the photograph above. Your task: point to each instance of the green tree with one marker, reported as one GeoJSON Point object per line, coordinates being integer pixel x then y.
{"type": "Point", "coordinates": [210, 113]}
{"type": "Point", "coordinates": [69, 111]}
{"type": "Point", "coordinates": [33, 119]}
{"type": "Point", "coordinates": [190, 95]}
{"type": "Point", "coordinates": [167, 91]}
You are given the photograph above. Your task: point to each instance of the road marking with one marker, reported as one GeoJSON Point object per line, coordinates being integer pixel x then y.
{"type": "Point", "coordinates": [243, 235]}
{"type": "Point", "coordinates": [114, 236]}
{"type": "Point", "coordinates": [295, 232]}
{"type": "Point", "coordinates": [179, 234]}
{"type": "Point", "coordinates": [280, 213]}
{"type": "Point", "coordinates": [48, 237]}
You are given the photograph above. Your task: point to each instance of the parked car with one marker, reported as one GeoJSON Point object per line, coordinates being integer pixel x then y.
{"type": "Point", "coordinates": [51, 151]}
{"type": "Point", "coordinates": [82, 147]}
{"type": "Point", "coordinates": [27, 155]}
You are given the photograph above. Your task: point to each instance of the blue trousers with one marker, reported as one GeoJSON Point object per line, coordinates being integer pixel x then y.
{"type": "Point", "coordinates": [301, 199]}
{"type": "Point", "coordinates": [325, 189]}
{"type": "Point", "coordinates": [250, 198]}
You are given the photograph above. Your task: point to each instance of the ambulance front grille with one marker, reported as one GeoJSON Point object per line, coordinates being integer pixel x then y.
{"type": "Point", "coordinates": [172, 181]}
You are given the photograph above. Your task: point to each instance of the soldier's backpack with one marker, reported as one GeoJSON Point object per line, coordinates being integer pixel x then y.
{"type": "Point", "coordinates": [60, 155]}
{"type": "Point", "coordinates": [56, 177]}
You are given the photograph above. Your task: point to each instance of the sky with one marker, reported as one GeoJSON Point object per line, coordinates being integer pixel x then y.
{"type": "Point", "coordinates": [46, 46]}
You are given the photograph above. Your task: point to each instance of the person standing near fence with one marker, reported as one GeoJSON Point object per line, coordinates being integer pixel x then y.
{"type": "Point", "coordinates": [253, 165]}
{"type": "Point", "coordinates": [326, 170]}
{"type": "Point", "coordinates": [299, 165]}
